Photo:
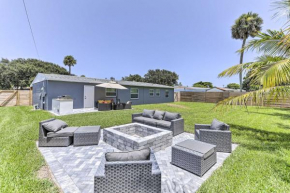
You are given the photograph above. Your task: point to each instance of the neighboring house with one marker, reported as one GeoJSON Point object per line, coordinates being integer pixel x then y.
{"type": "Point", "coordinates": [189, 89]}
{"type": "Point", "coordinates": [85, 94]}
{"type": "Point", "coordinates": [219, 89]}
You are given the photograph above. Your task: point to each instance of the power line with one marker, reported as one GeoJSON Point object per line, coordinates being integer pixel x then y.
{"type": "Point", "coordinates": [31, 29]}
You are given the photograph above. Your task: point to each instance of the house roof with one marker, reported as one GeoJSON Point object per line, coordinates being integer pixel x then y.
{"type": "Point", "coordinates": [67, 78]}
{"type": "Point", "coordinates": [190, 88]}
{"type": "Point", "coordinates": [228, 89]}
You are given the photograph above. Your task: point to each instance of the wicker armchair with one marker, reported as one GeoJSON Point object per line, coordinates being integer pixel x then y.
{"type": "Point", "coordinates": [222, 139]}
{"type": "Point", "coordinates": [129, 177]}
{"type": "Point", "coordinates": [44, 141]}
{"type": "Point", "coordinates": [128, 105]}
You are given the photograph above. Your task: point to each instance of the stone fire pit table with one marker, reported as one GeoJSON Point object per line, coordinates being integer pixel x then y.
{"type": "Point", "coordinates": [136, 136]}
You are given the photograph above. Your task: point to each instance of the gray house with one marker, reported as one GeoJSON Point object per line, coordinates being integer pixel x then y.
{"type": "Point", "coordinates": [85, 94]}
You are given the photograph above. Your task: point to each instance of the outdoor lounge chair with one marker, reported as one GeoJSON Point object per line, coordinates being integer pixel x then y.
{"type": "Point", "coordinates": [160, 119]}
{"type": "Point", "coordinates": [128, 176]}
{"type": "Point", "coordinates": [62, 138]}
{"type": "Point", "coordinates": [221, 138]}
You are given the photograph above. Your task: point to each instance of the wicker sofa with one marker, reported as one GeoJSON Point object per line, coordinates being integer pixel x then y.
{"type": "Point", "coordinates": [128, 176]}
{"type": "Point", "coordinates": [175, 125]}
{"type": "Point", "coordinates": [221, 138]}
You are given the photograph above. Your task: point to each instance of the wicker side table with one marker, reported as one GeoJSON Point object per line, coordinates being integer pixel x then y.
{"type": "Point", "coordinates": [88, 135]}
{"type": "Point", "coordinates": [194, 156]}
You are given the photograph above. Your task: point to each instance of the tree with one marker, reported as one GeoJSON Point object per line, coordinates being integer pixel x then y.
{"type": "Point", "coordinates": [233, 86]}
{"type": "Point", "coordinates": [4, 61]}
{"type": "Point", "coordinates": [248, 84]}
{"type": "Point", "coordinates": [69, 61]}
{"type": "Point", "coordinates": [271, 71]}
{"type": "Point", "coordinates": [20, 72]}
{"type": "Point", "coordinates": [247, 25]}
{"type": "Point", "coordinates": [203, 84]}
{"type": "Point", "coordinates": [112, 78]}
{"type": "Point", "coordinates": [133, 77]}
{"type": "Point", "coordinates": [83, 76]}
{"type": "Point", "coordinates": [158, 76]}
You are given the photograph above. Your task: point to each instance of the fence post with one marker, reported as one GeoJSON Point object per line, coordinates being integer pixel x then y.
{"type": "Point", "coordinates": [30, 97]}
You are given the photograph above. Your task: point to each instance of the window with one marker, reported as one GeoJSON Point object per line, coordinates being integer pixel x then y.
{"type": "Point", "coordinates": [134, 93]}
{"type": "Point", "coordinates": [166, 93]}
{"type": "Point", "coordinates": [157, 92]}
{"type": "Point", "coordinates": [151, 92]}
{"type": "Point", "coordinates": [110, 92]}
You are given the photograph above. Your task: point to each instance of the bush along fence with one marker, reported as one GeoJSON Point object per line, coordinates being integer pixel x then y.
{"type": "Point", "coordinates": [15, 98]}
{"type": "Point", "coordinates": [215, 97]}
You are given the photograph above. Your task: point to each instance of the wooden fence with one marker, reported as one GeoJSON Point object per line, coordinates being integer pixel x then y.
{"type": "Point", "coordinates": [215, 97]}
{"type": "Point", "coordinates": [15, 98]}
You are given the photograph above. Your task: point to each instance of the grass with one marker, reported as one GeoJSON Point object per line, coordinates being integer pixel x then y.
{"type": "Point", "coordinates": [261, 163]}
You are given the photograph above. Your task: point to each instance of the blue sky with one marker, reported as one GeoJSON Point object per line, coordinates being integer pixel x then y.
{"type": "Point", "coordinates": [121, 37]}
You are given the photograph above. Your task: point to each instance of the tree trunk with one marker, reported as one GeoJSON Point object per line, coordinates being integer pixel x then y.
{"type": "Point", "coordinates": [69, 70]}
{"type": "Point", "coordinates": [241, 62]}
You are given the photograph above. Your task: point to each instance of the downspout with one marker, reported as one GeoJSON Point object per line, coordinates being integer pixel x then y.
{"type": "Point", "coordinates": [46, 95]}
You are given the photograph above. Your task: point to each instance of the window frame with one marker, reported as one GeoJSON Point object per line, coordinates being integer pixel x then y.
{"type": "Point", "coordinates": [150, 92]}
{"type": "Point", "coordinates": [157, 92]}
{"type": "Point", "coordinates": [166, 93]}
{"type": "Point", "coordinates": [111, 92]}
{"type": "Point", "coordinates": [134, 93]}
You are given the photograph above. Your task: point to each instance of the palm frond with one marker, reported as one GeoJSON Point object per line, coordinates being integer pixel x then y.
{"type": "Point", "coordinates": [270, 43]}
{"type": "Point", "coordinates": [234, 70]}
{"type": "Point", "coordinates": [276, 73]}
{"type": "Point", "coordinates": [258, 98]}
{"type": "Point", "coordinates": [282, 8]}
{"type": "Point", "coordinates": [260, 67]}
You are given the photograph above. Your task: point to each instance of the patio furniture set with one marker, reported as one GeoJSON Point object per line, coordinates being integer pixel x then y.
{"type": "Point", "coordinates": [135, 169]}
{"type": "Point", "coordinates": [107, 105]}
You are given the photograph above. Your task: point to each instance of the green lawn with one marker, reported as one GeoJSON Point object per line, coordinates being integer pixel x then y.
{"type": "Point", "coordinates": [261, 163]}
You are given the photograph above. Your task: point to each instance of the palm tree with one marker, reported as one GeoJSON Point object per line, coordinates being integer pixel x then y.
{"type": "Point", "coordinates": [247, 25]}
{"type": "Point", "coordinates": [271, 71]}
{"type": "Point", "coordinates": [69, 61]}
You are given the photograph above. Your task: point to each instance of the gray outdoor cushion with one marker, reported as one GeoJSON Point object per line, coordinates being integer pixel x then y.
{"type": "Point", "coordinates": [66, 132]}
{"type": "Point", "coordinates": [138, 155]}
{"type": "Point", "coordinates": [163, 124]}
{"type": "Point", "coordinates": [218, 125]}
{"type": "Point", "coordinates": [148, 113]}
{"type": "Point", "coordinates": [139, 119]}
{"type": "Point", "coordinates": [149, 121]}
{"type": "Point", "coordinates": [54, 125]}
{"type": "Point", "coordinates": [171, 116]}
{"type": "Point", "coordinates": [204, 149]}
{"type": "Point", "coordinates": [159, 115]}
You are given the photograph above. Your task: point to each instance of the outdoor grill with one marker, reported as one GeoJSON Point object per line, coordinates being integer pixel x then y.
{"type": "Point", "coordinates": [64, 97]}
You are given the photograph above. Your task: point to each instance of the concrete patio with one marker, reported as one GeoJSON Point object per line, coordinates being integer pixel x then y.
{"type": "Point", "coordinates": [74, 167]}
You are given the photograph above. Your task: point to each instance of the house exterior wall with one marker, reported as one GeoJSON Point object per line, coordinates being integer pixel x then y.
{"type": "Point", "coordinates": [144, 97]}
{"type": "Point", "coordinates": [73, 89]}
{"type": "Point", "coordinates": [38, 94]}
{"type": "Point", "coordinates": [53, 89]}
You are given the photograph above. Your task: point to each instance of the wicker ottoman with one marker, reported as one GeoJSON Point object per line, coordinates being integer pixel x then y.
{"type": "Point", "coordinates": [89, 135]}
{"type": "Point", "coordinates": [194, 156]}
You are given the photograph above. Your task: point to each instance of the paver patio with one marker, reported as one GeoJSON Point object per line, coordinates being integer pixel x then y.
{"type": "Point", "coordinates": [74, 167]}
